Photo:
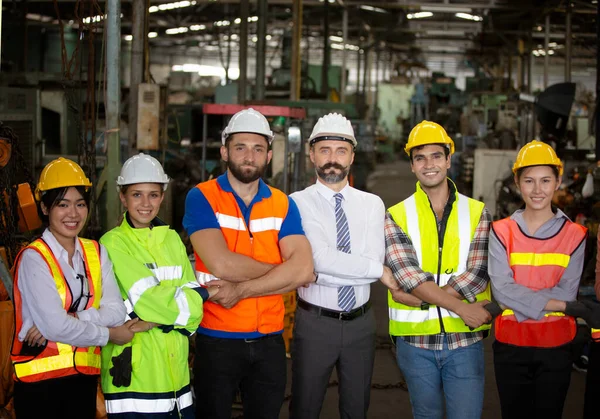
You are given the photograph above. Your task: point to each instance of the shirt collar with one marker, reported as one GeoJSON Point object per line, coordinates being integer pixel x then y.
{"type": "Point", "coordinates": [57, 249]}
{"type": "Point", "coordinates": [263, 189]}
{"type": "Point", "coordinates": [329, 193]}
{"type": "Point", "coordinates": [558, 214]}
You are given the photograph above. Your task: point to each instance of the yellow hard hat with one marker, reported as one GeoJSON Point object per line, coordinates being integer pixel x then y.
{"type": "Point", "coordinates": [537, 153]}
{"type": "Point", "coordinates": [427, 132]}
{"type": "Point", "coordinates": [61, 173]}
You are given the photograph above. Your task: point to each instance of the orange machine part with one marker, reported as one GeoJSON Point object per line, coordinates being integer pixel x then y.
{"type": "Point", "coordinates": [5, 152]}
{"type": "Point", "coordinates": [29, 219]}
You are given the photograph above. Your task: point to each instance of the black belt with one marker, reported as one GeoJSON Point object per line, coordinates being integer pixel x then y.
{"type": "Point", "coordinates": [340, 315]}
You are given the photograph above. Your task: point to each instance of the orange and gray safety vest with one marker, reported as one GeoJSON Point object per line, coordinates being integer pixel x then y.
{"type": "Point", "coordinates": [58, 359]}
{"type": "Point", "coordinates": [537, 264]}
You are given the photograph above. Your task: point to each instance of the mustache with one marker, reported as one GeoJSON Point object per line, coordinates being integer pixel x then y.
{"type": "Point", "coordinates": [332, 165]}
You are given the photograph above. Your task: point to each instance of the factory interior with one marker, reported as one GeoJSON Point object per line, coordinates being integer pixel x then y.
{"type": "Point", "coordinates": [99, 81]}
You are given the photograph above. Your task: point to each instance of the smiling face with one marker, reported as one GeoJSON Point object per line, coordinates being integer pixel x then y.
{"type": "Point", "coordinates": [332, 160]}
{"type": "Point", "coordinates": [537, 185]}
{"type": "Point", "coordinates": [66, 216]}
{"type": "Point", "coordinates": [430, 165]}
{"type": "Point", "coordinates": [247, 156]}
{"type": "Point", "coordinates": [142, 201]}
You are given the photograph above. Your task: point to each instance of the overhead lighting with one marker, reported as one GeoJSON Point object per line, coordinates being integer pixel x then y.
{"type": "Point", "coordinates": [469, 16]}
{"type": "Point", "coordinates": [152, 34]}
{"type": "Point", "coordinates": [552, 44]}
{"type": "Point", "coordinates": [93, 19]}
{"type": "Point", "coordinates": [550, 52]}
{"type": "Point", "coordinates": [128, 37]}
{"type": "Point", "coordinates": [171, 6]}
{"type": "Point", "coordinates": [330, 1]}
{"type": "Point", "coordinates": [222, 23]}
{"type": "Point", "coordinates": [234, 37]}
{"type": "Point", "coordinates": [372, 9]}
{"type": "Point", "coordinates": [175, 31]}
{"type": "Point", "coordinates": [268, 37]}
{"type": "Point", "coordinates": [337, 46]}
{"type": "Point", "coordinates": [538, 28]}
{"type": "Point", "coordinates": [336, 38]}
{"type": "Point", "coordinates": [197, 27]}
{"type": "Point", "coordinates": [253, 19]}
{"type": "Point", "coordinates": [448, 9]}
{"type": "Point", "coordinates": [40, 18]}
{"type": "Point", "coordinates": [255, 39]}
{"type": "Point", "coordinates": [419, 15]}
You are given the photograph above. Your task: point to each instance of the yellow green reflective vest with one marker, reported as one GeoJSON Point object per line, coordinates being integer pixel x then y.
{"type": "Point", "coordinates": [417, 219]}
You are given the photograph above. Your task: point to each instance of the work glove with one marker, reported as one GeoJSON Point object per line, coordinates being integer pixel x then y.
{"type": "Point", "coordinates": [593, 320]}
{"type": "Point", "coordinates": [121, 370]}
{"type": "Point", "coordinates": [494, 309]}
{"type": "Point", "coordinates": [577, 309]}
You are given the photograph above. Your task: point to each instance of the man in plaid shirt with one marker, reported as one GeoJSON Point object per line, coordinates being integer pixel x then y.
{"type": "Point", "coordinates": [436, 246]}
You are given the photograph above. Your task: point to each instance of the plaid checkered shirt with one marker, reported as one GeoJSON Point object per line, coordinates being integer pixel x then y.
{"type": "Point", "coordinates": [402, 259]}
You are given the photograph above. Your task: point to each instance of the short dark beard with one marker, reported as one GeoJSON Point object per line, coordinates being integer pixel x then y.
{"type": "Point", "coordinates": [245, 177]}
{"type": "Point", "coordinates": [332, 177]}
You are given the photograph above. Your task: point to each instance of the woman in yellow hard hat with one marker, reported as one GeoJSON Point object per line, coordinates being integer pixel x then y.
{"type": "Point", "coordinates": [535, 263]}
{"type": "Point", "coordinates": [67, 304]}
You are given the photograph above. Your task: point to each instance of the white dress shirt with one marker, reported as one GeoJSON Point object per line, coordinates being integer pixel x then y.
{"type": "Point", "coordinates": [365, 213]}
{"type": "Point", "coordinates": [41, 304]}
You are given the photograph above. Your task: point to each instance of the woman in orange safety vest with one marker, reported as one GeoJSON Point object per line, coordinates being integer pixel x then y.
{"type": "Point", "coordinates": [535, 264]}
{"type": "Point", "coordinates": [67, 305]}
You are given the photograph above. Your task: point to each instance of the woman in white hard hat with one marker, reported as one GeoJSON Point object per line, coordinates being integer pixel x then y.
{"type": "Point", "coordinates": [535, 263]}
{"type": "Point", "coordinates": [151, 374]}
{"type": "Point", "coordinates": [67, 304]}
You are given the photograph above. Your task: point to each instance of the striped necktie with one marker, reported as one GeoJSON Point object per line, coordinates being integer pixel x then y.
{"type": "Point", "coordinates": [346, 297]}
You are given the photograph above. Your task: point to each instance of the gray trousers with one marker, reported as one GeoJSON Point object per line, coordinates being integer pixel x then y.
{"type": "Point", "coordinates": [319, 344]}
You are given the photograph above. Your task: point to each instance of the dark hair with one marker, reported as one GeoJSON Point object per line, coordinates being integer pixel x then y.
{"type": "Point", "coordinates": [123, 189]}
{"type": "Point", "coordinates": [554, 169]}
{"type": "Point", "coordinates": [230, 137]}
{"type": "Point", "coordinates": [53, 196]}
{"type": "Point", "coordinates": [420, 147]}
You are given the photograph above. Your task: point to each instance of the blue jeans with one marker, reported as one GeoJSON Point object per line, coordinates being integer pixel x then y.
{"type": "Point", "coordinates": [456, 376]}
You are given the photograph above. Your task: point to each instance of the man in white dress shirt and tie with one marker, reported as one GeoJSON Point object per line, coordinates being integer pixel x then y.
{"type": "Point", "coordinates": [334, 324]}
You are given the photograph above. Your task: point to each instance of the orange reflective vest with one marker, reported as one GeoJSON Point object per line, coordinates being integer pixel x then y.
{"type": "Point", "coordinates": [596, 335]}
{"type": "Point", "coordinates": [537, 264]}
{"type": "Point", "coordinates": [58, 359]}
{"type": "Point", "coordinates": [258, 240]}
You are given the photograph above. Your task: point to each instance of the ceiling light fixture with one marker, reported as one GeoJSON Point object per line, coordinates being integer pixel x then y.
{"type": "Point", "coordinates": [336, 38]}
{"type": "Point", "coordinates": [175, 31]}
{"type": "Point", "coordinates": [152, 34]}
{"type": "Point", "coordinates": [372, 9]}
{"type": "Point", "coordinates": [469, 16]}
{"type": "Point", "coordinates": [197, 27]}
{"type": "Point", "coordinates": [419, 15]}
{"type": "Point", "coordinates": [448, 9]}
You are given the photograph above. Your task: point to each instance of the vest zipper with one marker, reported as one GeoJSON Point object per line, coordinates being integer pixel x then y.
{"type": "Point", "coordinates": [441, 231]}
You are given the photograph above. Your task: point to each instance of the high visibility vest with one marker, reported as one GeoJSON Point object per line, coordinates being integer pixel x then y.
{"type": "Point", "coordinates": [58, 359]}
{"type": "Point", "coordinates": [596, 335]}
{"type": "Point", "coordinates": [537, 264]}
{"type": "Point", "coordinates": [416, 218]}
{"type": "Point", "coordinates": [258, 240]}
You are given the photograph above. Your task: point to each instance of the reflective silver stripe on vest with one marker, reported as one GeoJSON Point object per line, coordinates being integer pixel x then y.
{"type": "Point", "coordinates": [203, 277]}
{"type": "Point", "coordinates": [464, 237]}
{"type": "Point", "coordinates": [265, 224]}
{"type": "Point", "coordinates": [228, 221]}
{"type": "Point", "coordinates": [165, 273]}
{"type": "Point", "coordinates": [130, 405]}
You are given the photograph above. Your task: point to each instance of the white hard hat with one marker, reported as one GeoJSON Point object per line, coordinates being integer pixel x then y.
{"type": "Point", "coordinates": [248, 120]}
{"type": "Point", "coordinates": [333, 127]}
{"type": "Point", "coordinates": [142, 168]}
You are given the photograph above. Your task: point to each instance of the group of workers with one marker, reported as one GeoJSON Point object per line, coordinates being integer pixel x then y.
{"type": "Point", "coordinates": [124, 309]}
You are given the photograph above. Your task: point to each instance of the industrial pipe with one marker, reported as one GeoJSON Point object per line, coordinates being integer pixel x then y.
{"type": "Point", "coordinates": [136, 76]}
{"type": "Point", "coordinates": [243, 57]}
{"type": "Point", "coordinates": [261, 50]}
{"type": "Point", "coordinates": [113, 94]}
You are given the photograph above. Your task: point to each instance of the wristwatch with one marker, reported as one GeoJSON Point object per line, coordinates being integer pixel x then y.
{"type": "Point", "coordinates": [424, 305]}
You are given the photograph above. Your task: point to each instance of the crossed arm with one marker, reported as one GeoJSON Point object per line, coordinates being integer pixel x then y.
{"type": "Point", "coordinates": [242, 277]}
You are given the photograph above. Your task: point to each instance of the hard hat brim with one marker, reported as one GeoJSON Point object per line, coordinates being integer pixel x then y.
{"type": "Point", "coordinates": [332, 136]}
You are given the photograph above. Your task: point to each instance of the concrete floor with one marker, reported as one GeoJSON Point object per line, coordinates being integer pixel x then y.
{"type": "Point", "coordinates": [394, 182]}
